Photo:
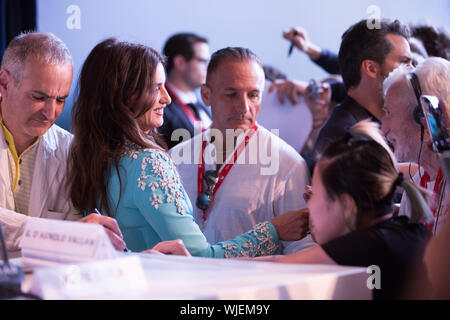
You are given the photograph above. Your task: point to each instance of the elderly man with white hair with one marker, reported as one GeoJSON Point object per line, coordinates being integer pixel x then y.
{"type": "Point", "coordinates": [35, 79]}
{"type": "Point", "coordinates": [405, 128]}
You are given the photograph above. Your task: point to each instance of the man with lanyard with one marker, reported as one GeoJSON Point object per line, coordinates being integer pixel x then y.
{"type": "Point", "coordinates": [404, 126]}
{"type": "Point", "coordinates": [237, 173]}
{"type": "Point", "coordinates": [187, 58]}
{"type": "Point", "coordinates": [35, 79]}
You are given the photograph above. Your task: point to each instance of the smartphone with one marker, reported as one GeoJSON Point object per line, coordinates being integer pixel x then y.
{"type": "Point", "coordinates": [435, 122]}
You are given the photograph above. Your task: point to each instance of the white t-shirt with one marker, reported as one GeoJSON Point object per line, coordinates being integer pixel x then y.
{"type": "Point", "coordinates": [253, 191]}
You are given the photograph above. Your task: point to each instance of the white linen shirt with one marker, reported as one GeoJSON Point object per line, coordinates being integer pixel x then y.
{"type": "Point", "coordinates": [48, 198]}
{"type": "Point", "coordinates": [246, 196]}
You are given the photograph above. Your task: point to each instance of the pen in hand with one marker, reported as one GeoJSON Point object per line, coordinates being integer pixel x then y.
{"type": "Point", "coordinates": [291, 48]}
{"type": "Point", "coordinates": [98, 212]}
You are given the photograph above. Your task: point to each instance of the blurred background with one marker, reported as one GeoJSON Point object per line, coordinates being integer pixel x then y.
{"type": "Point", "coordinates": [256, 24]}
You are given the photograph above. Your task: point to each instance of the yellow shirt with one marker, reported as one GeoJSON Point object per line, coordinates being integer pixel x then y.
{"type": "Point", "coordinates": [21, 169]}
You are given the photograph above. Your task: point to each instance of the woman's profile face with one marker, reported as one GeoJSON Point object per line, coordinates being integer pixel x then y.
{"type": "Point", "coordinates": [153, 118]}
{"type": "Point", "coordinates": [326, 217]}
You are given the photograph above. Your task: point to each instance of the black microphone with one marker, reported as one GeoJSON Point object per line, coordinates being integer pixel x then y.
{"type": "Point", "coordinates": [11, 276]}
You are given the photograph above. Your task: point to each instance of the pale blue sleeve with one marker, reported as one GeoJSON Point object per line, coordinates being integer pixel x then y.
{"type": "Point", "coordinates": [162, 200]}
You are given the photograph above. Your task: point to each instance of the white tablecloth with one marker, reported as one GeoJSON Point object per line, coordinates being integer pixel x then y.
{"type": "Point", "coordinates": [174, 277]}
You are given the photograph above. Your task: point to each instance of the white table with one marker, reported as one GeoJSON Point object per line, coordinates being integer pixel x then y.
{"type": "Point", "coordinates": [175, 278]}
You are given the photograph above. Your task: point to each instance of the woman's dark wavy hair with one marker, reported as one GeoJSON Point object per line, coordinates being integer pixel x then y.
{"type": "Point", "coordinates": [114, 89]}
{"type": "Point", "coordinates": [362, 165]}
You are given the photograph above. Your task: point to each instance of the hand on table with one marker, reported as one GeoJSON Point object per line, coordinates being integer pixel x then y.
{"type": "Point", "coordinates": [174, 247]}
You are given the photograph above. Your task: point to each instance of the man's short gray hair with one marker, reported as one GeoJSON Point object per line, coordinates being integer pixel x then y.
{"type": "Point", "coordinates": [400, 73]}
{"type": "Point", "coordinates": [42, 47]}
{"type": "Point", "coordinates": [236, 53]}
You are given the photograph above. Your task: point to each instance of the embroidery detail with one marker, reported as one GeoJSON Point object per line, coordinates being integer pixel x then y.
{"type": "Point", "coordinates": [261, 243]}
{"type": "Point", "coordinates": [159, 172]}
{"type": "Point", "coordinates": [133, 154]}
{"type": "Point", "coordinates": [156, 200]}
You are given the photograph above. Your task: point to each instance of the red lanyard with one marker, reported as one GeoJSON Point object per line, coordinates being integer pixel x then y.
{"type": "Point", "coordinates": [437, 191]}
{"type": "Point", "coordinates": [191, 115]}
{"type": "Point", "coordinates": [225, 169]}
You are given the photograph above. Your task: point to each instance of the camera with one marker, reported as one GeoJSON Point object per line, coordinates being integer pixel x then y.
{"type": "Point", "coordinates": [314, 87]}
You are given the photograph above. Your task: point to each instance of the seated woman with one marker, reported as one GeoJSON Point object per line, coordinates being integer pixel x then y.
{"type": "Point", "coordinates": [117, 164]}
{"type": "Point", "coordinates": [351, 212]}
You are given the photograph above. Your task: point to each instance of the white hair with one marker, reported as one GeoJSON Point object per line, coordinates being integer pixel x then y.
{"type": "Point", "coordinates": [434, 78]}
{"type": "Point", "coordinates": [42, 47]}
{"type": "Point", "coordinates": [433, 74]}
{"type": "Point", "coordinates": [401, 73]}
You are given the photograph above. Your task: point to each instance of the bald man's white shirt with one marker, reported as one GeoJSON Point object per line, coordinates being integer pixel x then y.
{"type": "Point", "coordinates": [247, 197]}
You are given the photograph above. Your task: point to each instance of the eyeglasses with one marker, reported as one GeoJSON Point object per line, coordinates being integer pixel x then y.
{"type": "Point", "coordinates": [205, 197]}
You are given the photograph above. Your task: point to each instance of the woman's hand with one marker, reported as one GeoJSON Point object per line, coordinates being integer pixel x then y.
{"type": "Point", "coordinates": [111, 227]}
{"type": "Point", "coordinates": [174, 247]}
{"type": "Point", "coordinates": [292, 225]}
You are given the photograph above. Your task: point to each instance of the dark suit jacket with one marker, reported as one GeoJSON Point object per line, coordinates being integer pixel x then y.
{"type": "Point", "coordinates": [329, 61]}
{"type": "Point", "coordinates": [175, 118]}
{"type": "Point", "coordinates": [344, 116]}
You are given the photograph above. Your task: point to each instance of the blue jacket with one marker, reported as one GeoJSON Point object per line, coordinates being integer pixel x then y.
{"type": "Point", "coordinates": [154, 207]}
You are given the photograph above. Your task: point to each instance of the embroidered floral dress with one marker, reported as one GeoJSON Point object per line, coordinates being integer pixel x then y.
{"type": "Point", "coordinates": [154, 207]}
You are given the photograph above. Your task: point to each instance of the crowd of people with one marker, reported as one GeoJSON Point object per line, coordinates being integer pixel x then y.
{"type": "Point", "coordinates": [182, 166]}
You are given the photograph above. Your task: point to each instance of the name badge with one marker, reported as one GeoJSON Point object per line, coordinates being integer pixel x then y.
{"type": "Point", "coordinates": [106, 279]}
{"type": "Point", "coordinates": [46, 242]}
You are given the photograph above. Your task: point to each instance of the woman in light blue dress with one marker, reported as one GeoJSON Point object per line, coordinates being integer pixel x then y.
{"type": "Point", "coordinates": [117, 163]}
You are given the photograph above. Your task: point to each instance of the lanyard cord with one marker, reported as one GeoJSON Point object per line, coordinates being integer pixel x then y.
{"type": "Point", "coordinates": [225, 169]}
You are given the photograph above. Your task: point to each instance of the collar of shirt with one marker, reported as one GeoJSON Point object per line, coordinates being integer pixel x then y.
{"type": "Point", "coordinates": [359, 111]}
{"type": "Point", "coordinates": [9, 139]}
{"type": "Point", "coordinates": [12, 148]}
{"type": "Point", "coordinates": [186, 98]}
